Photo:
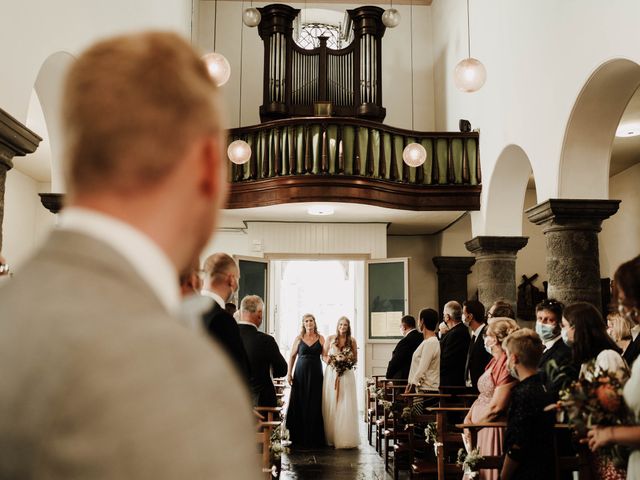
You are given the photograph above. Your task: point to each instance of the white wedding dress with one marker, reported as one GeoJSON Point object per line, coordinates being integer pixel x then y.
{"type": "Point", "coordinates": [340, 407]}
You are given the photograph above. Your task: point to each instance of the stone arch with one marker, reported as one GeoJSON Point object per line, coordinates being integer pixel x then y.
{"type": "Point", "coordinates": [586, 149]}
{"type": "Point", "coordinates": [504, 200]}
{"type": "Point", "coordinates": [48, 88]}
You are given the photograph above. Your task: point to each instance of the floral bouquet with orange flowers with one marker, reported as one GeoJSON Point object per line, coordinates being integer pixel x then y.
{"type": "Point", "coordinates": [596, 399]}
{"type": "Point", "coordinates": [342, 361]}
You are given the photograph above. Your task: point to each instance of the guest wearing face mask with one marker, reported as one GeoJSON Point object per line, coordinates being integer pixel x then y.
{"type": "Point", "coordinates": [495, 386]}
{"type": "Point", "coordinates": [626, 291]}
{"type": "Point", "coordinates": [585, 331]}
{"type": "Point", "coordinates": [477, 357]}
{"type": "Point", "coordinates": [556, 367]}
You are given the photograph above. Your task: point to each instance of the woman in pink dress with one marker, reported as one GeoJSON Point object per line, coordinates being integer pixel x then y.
{"type": "Point", "coordinates": [495, 391]}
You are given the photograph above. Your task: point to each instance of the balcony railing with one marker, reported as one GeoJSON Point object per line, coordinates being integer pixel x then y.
{"type": "Point", "coordinates": [354, 160]}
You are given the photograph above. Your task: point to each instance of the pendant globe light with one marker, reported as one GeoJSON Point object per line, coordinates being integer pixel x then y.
{"type": "Point", "coordinates": [413, 154]}
{"type": "Point", "coordinates": [391, 17]}
{"type": "Point", "coordinates": [469, 75]}
{"type": "Point", "coordinates": [251, 16]}
{"type": "Point", "coordinates": [239, 151]}
{"type": "Point", "coordinates": [217, 64]}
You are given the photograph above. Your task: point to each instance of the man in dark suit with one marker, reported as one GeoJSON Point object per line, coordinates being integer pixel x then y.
{"type": "Point", "coordinates": [477, 357]}
{"type": "Point", "coordinates": [556, 365]}
{"type": "Point", "coordinates": [221, 282]}
{"type": "Point", "coordinates": [453, 347]}
{"type": "Point", "coordinates": [264, 355]}
{"type": "Point", "coordinates": [400, 362]}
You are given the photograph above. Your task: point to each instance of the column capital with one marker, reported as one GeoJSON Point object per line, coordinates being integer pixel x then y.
{"type": "Point", "coordinates": [564, 212]}
{"type": "Point", "coordinates": [52, 201]}
{"type": "Point", "coordinates": [495, 245]}
{"type": "Point", "coordinates": [15, 139]}
{"type": "Point", "coordinates": [454, 264]}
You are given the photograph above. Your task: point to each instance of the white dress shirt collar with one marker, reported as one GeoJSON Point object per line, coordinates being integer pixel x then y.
{"type": "Point", "coordinates": [551, 343]}
{"type": "Point", "coordinates": [219, 300]}
{"type": "Point", "coordinates": [144, 255]}
{"type": "Point", "coordinates": [476, 332]}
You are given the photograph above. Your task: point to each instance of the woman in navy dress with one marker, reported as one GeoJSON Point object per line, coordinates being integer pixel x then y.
{"type": "Point", "coordinates": [304, 416]}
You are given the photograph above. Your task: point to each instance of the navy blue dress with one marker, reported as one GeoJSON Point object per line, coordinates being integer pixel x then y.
{"type": "Point", "coordinates": [304, 416]}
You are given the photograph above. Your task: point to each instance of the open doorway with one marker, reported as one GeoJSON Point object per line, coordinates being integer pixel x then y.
{"type": "Point", "coordinates": [328, 289]}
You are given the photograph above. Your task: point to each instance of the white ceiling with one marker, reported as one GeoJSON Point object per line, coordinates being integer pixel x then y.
{"type": "Point", "coordinates": [401, 222]}
{"type": "Point", "coordinates": [626, 150]}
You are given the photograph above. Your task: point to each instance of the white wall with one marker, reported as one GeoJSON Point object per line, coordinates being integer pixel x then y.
{"type": "Point", "coordinates": [26, 221]}
{"type": "Point", "coordinates": [620, 236]}
{"type": "Point", "coordinates": [396, 58]}
{"type": "Point", "coordinates": [35, 29]}
{"type": "Point", "coordinates": [538, 58]}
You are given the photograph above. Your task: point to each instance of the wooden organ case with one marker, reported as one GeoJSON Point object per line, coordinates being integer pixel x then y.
{"type": "Point", "coordinates": [348, 80]}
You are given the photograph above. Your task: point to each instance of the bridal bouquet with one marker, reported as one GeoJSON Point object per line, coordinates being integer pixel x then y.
{"type": "Point", "coordinates": [596, 399]}
{"type": "Point", "coordinates": [342, 361]}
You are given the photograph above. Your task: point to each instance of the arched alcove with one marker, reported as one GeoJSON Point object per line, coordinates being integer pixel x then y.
{"type": "Point", "coordinates": [586, 150]}
{"type": "Point", "coordinates": [504, 198]}
{"type": "Point", "coordinates": [48, 87]}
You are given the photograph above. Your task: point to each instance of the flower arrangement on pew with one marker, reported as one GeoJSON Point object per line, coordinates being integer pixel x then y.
{"type": "Point", "coordinates": [431, 437]}
{"type": "Point", "coordinates": [469, 462]}
{"type": "Point", "coordinates": [596, 399]}
{"type": "Point", "coordinates": [279, 444]}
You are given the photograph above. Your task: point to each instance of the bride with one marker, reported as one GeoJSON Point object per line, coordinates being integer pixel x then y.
{"type": "Point", "coordinates": [339, 399]}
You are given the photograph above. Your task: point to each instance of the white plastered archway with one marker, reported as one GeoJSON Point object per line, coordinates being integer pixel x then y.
{"type": "Point", "coordinates": [48, 87]}
{"type": "Point", "coordinates": [586, 150]}
{"type": "Point", "coordinates": [503, 201]}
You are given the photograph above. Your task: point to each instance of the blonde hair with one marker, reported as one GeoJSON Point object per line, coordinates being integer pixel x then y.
{"type": "Point", "coordinates": [620, 327]}
{"type": "Point", "coordinates": [315, 324]}
{"type": "Point", "coordinates": [526, 345]}
{"type": "Point", "coordinates": [502, 327]}
{"type": "Point", "coordinates": [132, 106]}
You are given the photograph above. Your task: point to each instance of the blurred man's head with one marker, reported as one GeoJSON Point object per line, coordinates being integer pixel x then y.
{"type": "Point", "coordinates": [144, 139]}
{"type": "Point", "coordinates": [221, 275]}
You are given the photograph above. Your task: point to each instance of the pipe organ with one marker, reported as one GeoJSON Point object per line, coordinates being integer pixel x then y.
{"type": "Point", "coordinates": [295, 79]}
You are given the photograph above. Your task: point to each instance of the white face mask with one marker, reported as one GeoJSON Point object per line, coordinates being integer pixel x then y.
{"type": "Point", "coordinates": [489, 343]}
{"type": "Point", "coordinates": [465, 320]}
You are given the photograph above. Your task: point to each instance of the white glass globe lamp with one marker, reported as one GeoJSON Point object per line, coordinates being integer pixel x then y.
{"type": "Point", "coordinates": [251, 17]}
{"type": "Point", "coordinates": [469, 75]}
{"type": "Point", "coordinates": [218, 67]}
{"type": "Point", "coordinates": [414, 155]}
{"type": "Point", "coordinates": [239, 152]}
{"type": "Point", "coordinates": [391, 18]}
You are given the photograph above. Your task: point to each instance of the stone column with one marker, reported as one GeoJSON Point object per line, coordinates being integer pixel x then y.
{"type": "Point", "coordinates": [15, 140]}
{"type": "Point", "coordinates": [452, 278]}
{"type": "Point", "coordinates": [496, 267]}
{"type": "Point", "coordinates": [571, 233]}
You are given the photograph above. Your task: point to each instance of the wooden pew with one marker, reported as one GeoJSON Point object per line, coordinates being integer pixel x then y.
{"type": "Point", "coordinates": [263, 439]}
{"type": "Point", "coordinates": [383, 423]}
{"type": "Point", "coordinates": [269, 414]}
{"type": "Point", "coordinates": [371, 407]}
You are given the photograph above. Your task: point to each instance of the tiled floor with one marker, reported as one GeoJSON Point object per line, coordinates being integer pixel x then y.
{"type": "Point", "coordinates": [330, 464]}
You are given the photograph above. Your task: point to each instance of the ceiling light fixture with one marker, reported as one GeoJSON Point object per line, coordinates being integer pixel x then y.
{"type": "Point", "coordinates": [239, 151]}
{"type": "Point", "coordinates": [391, 17]}
{"type": "Point", "coordinates": [217, 64]}
{"type": "Point", "coordinates": [413, 154]}
{"type": "Point", "coordinates": [320, 210]}
{"type": "Point", "coordinates": [251, 16]}
{"type": "Point", "coordinates": [469, 75]}
{"type": "Point", "coordinates": [628, 129]}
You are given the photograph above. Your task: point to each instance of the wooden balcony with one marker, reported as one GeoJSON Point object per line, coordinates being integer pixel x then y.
{"type": "Point", "coordinates": [352, 160]}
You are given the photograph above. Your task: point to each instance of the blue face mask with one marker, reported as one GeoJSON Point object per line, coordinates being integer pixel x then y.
{"type": "Point", "coordinates": [546, 332]}
{"type": "Point", "coordinates": [565, 338]}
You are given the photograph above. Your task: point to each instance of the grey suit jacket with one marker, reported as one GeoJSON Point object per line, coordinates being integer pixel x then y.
{"type": "Point", "coordinates": [100, 382]}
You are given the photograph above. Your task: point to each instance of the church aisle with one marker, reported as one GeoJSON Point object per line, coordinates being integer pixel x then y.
{"type": "Point", "coordinates": [330, 464]}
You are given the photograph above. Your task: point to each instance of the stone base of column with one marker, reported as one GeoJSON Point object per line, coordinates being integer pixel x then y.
{"type": "Point", "coordinates": [571, 234]}
{"type": "Point", "coordinates": [452, 278]}
{"type": "Point", "coordinates": [496, 267]}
